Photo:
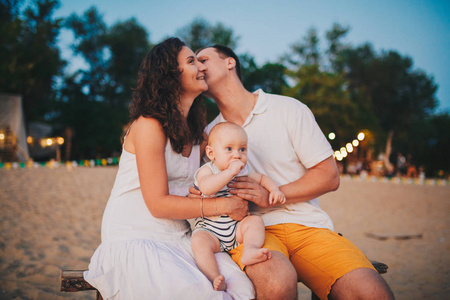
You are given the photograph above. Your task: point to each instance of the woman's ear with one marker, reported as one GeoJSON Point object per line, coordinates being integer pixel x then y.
{"type": "Point", "coordinates": [209, 152]}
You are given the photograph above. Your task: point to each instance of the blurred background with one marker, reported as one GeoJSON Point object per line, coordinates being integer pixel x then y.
{"type": "Point", "coordinates": [375, 75]}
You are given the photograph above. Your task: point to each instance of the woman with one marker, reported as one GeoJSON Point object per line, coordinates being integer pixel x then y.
{"type": "Point", "coordinates": [145, 251]}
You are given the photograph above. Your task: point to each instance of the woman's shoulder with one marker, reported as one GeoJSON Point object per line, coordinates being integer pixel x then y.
{"type": "Point", "coordinates": [145, 131]}
{"type": "Point", "coordinates": [147, 123]}
{"type": "Point", "coordinates": [145, 126]}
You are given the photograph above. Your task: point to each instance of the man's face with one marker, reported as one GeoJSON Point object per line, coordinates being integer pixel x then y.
{"type": "Point", "coordinates": [216, 66]}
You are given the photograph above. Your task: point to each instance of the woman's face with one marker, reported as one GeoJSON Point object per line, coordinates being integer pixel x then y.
{"type": "Point", "coordinates": [192, 73]}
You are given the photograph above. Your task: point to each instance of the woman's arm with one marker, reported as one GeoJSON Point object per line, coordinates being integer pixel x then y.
{"type": "Point", "coordinates": [147, 140]}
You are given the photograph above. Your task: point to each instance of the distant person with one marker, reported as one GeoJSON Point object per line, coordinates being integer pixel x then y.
{"type": "Point", "coordinates": [286, 143]}
{"type": "Point", "coordinates": [411, 168]}
{"type": "Point", "coordinates": [401, 164]}
{"type": "Point", "coordinates": [145, 251]}
{"type": "Point", "coordinates": [227, 150]}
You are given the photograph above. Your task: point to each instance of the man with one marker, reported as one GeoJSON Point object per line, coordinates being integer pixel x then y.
{"type": "Point", "coordinates": [286, 143]}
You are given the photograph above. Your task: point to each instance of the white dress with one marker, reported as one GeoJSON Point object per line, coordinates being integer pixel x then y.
{"type": "Point", "coordinates": [143, 257]}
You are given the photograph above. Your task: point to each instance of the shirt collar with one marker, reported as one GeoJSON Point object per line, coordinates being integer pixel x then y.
{"type": "Point", "coordinates": [260, 107]}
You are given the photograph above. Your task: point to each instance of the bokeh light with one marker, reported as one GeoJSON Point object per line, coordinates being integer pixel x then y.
{"type": "Point", "coordinates": [349, 148]}
{"type": "Point", "coordinates": [361, 136]}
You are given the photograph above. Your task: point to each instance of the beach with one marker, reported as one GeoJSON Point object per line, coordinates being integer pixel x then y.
{"type": "Point", "coordinates": [50, 220]}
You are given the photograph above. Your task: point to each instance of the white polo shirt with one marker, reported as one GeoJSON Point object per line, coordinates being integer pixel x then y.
{"type": "Point", "coordinates": [284, 140]}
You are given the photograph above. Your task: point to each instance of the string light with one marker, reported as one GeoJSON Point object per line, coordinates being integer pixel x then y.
{"type": "Point", "coordinates": [361, 136]}
{"type": "Point", "coordinates": [349, 148]}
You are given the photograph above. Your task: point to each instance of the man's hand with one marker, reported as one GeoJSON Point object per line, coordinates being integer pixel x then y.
{"type": "Point", "coordinates": [248, 189]}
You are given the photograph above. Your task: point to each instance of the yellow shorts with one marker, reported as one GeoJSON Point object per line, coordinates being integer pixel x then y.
{"type": "Point", "coordinates": [320, 256]}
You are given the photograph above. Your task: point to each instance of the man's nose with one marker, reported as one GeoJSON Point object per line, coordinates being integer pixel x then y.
{"type": "Point", "coordinates": [201, 67]}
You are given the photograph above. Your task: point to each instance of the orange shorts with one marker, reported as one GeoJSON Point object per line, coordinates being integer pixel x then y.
{"type": "Point", "coordinates": [320, 256]}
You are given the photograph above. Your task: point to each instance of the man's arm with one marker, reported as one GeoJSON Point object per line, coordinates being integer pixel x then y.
{"type": "Point", "coordinates": [318, 180]}
{"type": "Point", "coordinates": [275, 195]}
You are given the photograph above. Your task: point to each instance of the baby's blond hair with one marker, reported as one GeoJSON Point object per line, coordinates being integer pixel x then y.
{"type": "Point", "coordinates": [221, 126]}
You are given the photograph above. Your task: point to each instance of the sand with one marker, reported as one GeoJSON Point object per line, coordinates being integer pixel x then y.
{"type": "Point", "coordinates": [50, 220]}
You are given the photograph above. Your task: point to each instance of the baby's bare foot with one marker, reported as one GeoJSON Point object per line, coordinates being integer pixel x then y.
{"type": "Point", "coordinates": [219, 283]}
{"type": "Point", "coordinates": [255, 255]}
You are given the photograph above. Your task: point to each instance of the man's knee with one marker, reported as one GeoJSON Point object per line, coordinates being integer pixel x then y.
{"type": "Point", "coordinates": [361, 284]}
{"type": "Point", "coordinates": [274, 279]}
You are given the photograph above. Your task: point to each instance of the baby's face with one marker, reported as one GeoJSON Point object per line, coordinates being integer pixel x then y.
{"type": "Point", "coordinates": [230, 144]}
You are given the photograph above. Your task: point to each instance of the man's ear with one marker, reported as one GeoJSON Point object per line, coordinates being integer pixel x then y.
{"type": "Point", "coordinates": [209, 152]}
{"type": "Point", "coordinates": [231, 63]}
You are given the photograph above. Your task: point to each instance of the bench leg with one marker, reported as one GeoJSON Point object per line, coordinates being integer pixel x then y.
{"type": "Point", "coordinates": [314, 296]}
{"type": "Point", "coordinates": [99, 296]}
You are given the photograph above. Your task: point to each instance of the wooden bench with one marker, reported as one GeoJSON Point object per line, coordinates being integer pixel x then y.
{"type": "Point", "coordinates": [73, 280]}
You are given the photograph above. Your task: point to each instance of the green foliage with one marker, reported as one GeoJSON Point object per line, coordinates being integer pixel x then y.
{"type": "Point", "coordinates": [428, 143]}
{"type": "Point", "coordinates": [94, 101]}
{"type": "Point", "coordinates": [28, 42]}
{"type": "Point", "coordinates": [270, 77]}
{"type": "Point", "coordinates": [347, 88]}
{"type": "Point", "coordinates": [324, 92]}
{"type": "Point", "coordinates": [391, 94]}
{"type": "Point", "coordinates": [200, 34]}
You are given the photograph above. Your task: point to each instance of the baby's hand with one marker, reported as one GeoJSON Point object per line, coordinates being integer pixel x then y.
{"type": "Point", "coordinates": [277, 197]}
{"type": "Point", "coordinates": [236, 166]}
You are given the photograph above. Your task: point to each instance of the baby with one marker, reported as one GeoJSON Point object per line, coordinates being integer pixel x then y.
{"type": "Point", "coordinates": [227, 150]}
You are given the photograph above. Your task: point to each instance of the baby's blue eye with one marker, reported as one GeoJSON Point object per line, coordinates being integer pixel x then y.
{"type": "Point", "coordinates": [242, 149]}
{"type": "Point", "coordinates": [228, 148]}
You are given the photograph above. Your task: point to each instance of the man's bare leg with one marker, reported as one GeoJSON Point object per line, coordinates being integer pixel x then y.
{"type": "Point", "coordinates": [361, 284]}
{"type": "Point", "coordinates": [274, 278]}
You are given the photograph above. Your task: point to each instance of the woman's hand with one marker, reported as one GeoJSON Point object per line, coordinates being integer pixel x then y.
{"type": "Point", "coordinates": [235, 207]}
{"type": "Point", "coordinates": [250, 190]}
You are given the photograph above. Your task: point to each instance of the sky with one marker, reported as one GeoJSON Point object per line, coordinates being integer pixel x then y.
{"type": "Point", "coordinates": [266, 29]}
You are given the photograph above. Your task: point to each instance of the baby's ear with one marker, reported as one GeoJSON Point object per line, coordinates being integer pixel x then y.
{"type": "Point", "coordinates": [209, 152]}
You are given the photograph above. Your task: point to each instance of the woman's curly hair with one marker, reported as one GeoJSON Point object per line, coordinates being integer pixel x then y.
{"type": "Point", "coordinates": [157, 96]}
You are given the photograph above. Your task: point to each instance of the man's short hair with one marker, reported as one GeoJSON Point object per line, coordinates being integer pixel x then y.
{"type": "Point", "coordinates": [225, 52]}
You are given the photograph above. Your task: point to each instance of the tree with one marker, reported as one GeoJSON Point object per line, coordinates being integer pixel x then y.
{"type": "Point", "coordinates": [270, 77]}
{"type": "Point", "coordinates": [94, 101]}
{"type": "Point", "coordinates": [128, 44]}
{"type": "Point", "coordinates": [30, 57]}
{"type": "Point", "coordinates": [389, 87]}
{"type": "Point", "coordinates": [200, 33]}
{"type": "Point", "coordinates": [321, 88]}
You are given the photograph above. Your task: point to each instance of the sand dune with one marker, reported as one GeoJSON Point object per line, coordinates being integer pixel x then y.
{"type": "Point", "coordinates": [50, 220]}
